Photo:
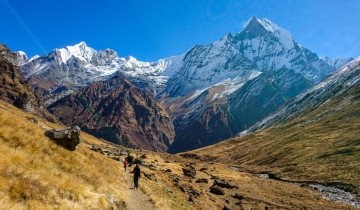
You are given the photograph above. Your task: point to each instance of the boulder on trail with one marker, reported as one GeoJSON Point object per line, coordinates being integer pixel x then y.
{"type": "Point", "coordinates": [66, 137]}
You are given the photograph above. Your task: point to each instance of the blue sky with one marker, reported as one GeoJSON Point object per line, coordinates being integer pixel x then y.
{"type": "Point", "coordinates": [154, 29]}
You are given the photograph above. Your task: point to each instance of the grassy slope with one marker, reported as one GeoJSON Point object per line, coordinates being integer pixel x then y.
{"type": "Point", "coordinates": [36, 173]}
{"type": "Point", "coordinates": [258, 193]}
{"type": "Point", "coordinates": [325, 150]}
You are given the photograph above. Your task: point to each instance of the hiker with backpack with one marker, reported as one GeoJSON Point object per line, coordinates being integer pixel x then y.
{"type": "Point", "coordinates": [137, 173]}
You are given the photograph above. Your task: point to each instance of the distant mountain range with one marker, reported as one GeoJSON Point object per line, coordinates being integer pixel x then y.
{"type": "Point", "coordinates": [211, 92]}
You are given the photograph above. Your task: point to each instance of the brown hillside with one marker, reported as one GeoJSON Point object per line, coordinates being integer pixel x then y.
{"type": "Point", "coordinates": [15, 90]}
{"type": "Point", "coordinates": [119, 112]}
{"type": "Point", "coordinates": [35, 173]}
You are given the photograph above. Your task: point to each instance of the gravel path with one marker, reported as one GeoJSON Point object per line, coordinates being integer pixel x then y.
{"type": "Point", "coordinates": [137, 199]}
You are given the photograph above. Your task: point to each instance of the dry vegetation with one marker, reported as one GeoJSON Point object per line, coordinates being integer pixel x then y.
{"type": "Point", "coordinates": [257, 193]}
{"type": "Point", "coordinates": [35, 173]}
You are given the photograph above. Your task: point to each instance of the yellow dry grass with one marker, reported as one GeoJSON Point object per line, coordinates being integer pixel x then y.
{"type": "Point", "coordinates": [36, 173]}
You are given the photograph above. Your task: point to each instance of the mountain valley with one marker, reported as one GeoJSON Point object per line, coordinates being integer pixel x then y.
{"type": "Point", "coordinates": [203, 89]}
{"type": "Point", "coordinates": [251, 121]}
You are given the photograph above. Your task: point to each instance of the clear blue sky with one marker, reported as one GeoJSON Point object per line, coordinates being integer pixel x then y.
{"type": "Point", "coordinates": [154, 29]}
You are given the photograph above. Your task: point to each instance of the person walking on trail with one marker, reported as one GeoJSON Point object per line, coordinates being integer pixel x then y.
{"type": "Point", "coordinates": [125, 164]}
{"type": "Point", "coordinates": [137, 173]}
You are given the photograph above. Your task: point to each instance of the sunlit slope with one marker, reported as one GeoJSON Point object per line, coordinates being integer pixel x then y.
{"type": "Point", "coordinates": [36, 173]}
{"type": "Point", "coordinates": [321, 146]}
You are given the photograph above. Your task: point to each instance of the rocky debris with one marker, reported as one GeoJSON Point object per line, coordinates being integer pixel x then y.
{"type": "Point", "coordinates": [264, 176]}
{"type": "Point", "coordinates": [33, 120]}
{"type": "Point", "coordinates": [223, 184]}
{"type": "Point", "coordinates": [183, 188]}
{"type": "Point", "coordinates": [238, 196]}
{"type": "Point", "coordinates": [66, 137]}
{"type": "Point", "coordinates": [190, 155]}
{"type": "Point", "coordinates": [178, 179]}
{"type": "Point", "coordinates": [214, 177]}
{"type": "Point", "coordinates": [123, 153]}
{"type": "Point", "coordinates": [152, 167]}
{"type": "Point", "coordinates": [167, 189]}
{"type": "Point", "coordinates": [96, 149]}
{"type": "Point", "coordinates": [149, 176]}
{"type": "Point", "coordinates": [143, 156]}
{"type": "Point", "coordinates": [210, 197]}
{"type": "Point", "coordinates": [166, 161]}
{"type": "Point", "coordinates": [158, 164]}
{"type": "Point", "coordinates": [191, 200]}
{"type": "Point", "coordinates": [217, 190]}
{"type": "Point", "coordinates": [44, 127]}
{"type": "Point", "coordinates": [118, 159]}
{"type": "Point", "coordinates": [168, 171]}
{"type": "Point", "coordinates": [204, 169]}
{"type": "Point", "coordinates": [203, 180]}
{"type": "Point", "coordinates": [189, 172]}
{"type": "Point", "coordinates": [111, 198]}
{"type": "Point", "coordinates": [193, 192]}
{"type": "Point", "coordinates": [225, 208]}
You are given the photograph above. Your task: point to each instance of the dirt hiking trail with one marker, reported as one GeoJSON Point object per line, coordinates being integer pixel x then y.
{"type": "Point", "coordinates": [137, 199]}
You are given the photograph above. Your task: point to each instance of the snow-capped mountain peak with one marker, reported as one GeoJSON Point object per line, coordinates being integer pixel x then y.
{"type": "Point", "coordinates": [21, 58]}
{"type": "Point", "coordinates": [80, 51]}
{"type": "Point", "coordinates": [261, 27]}
{"type": "Point", "coordinates": [284, 36]}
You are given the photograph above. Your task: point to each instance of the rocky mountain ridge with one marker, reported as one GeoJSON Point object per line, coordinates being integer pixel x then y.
{"type": "Point", "coordinates": [117, 111]}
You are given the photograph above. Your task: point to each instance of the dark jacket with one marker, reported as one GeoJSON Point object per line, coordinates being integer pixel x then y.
{"type": "Point", "coordinates": [137, 171]}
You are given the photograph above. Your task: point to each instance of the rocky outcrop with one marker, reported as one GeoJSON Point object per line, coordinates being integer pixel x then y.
{"type": "Point", "coordinates": [119, 112]}
{"type": "Point", "coordinates": [15, 90]}
{"type": "Point", "coordinates": [189, 172]}
{"type": "Point", "coordinates": [217, 190]}
{"type": "Point", "coordinates": [66, 137]}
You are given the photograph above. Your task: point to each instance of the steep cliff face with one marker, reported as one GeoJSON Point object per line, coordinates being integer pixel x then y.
{"type": "Point", "coordinates": [117, 111]}
{"type": "Point", "coordinates": [208, 124]}
{"type": "Point", "coordinates": [15, 90]}
{"type": "Point", "coordinates": [262, 95]}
